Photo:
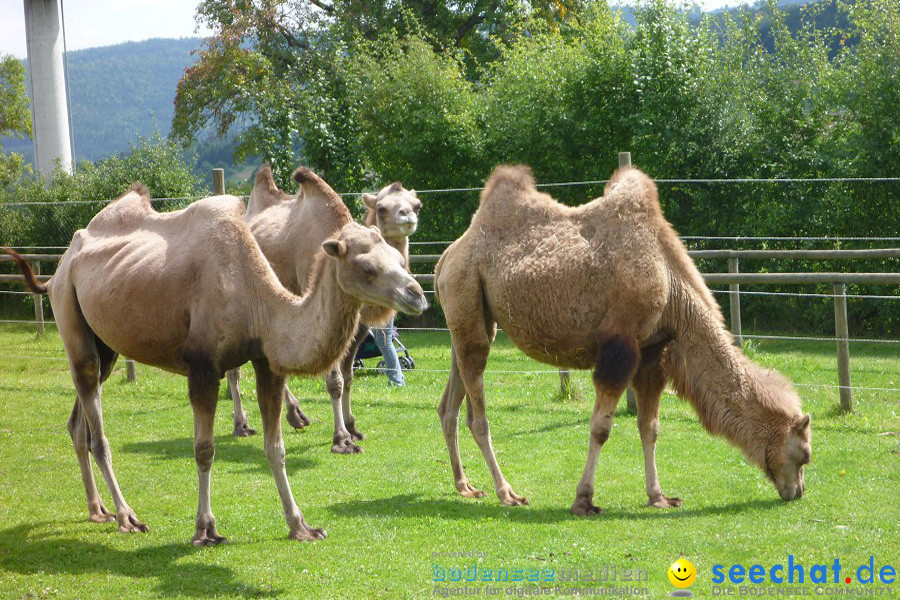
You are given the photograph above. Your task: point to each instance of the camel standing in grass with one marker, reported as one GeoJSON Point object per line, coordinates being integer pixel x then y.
{"type": "Point", "coordinates": [191, 292]}
{"type": "Point", "coordinates": [605, 286]}
{"type": "Point", "coordinates": [275, 219]}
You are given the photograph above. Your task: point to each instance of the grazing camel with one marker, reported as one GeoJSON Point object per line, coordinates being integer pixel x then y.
{"type": "Point", "coordinates": [608, 286]}
{"type": "Point", "coordinates": [191, 292]}
{"type": "Point", "coordinates": [310, 217]}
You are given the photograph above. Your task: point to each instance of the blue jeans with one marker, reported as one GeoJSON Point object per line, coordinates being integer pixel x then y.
{"type": "Point", "coordinates": [384, 340]}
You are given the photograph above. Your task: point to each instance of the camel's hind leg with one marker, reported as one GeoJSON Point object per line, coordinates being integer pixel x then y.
{"type": "Point", "coordinates": [617, 360]}
{"type": "Point", "coordinates": [448, 411]}
{"type": "Point", "coordinates": [85, 365]}
{"type": "Point", "coordinates": [241, 428]}
{"type": "Point", "coordinates": [269, 393]}
{"type": "Point", "coordinates": [296, 418]}
{"type": "Point", "coordinates": [648, 384]}
{"type": "Point", "coordinates": [81, 440]}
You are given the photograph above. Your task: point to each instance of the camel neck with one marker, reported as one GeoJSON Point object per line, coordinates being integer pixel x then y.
{"type": "Point", "coordinates": [726, 389]}
{"type": "Point", "coordinates": [307, 335]}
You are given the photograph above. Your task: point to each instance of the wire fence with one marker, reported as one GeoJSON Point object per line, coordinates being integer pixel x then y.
{"type": "Point", "coordinates": [80, 215]}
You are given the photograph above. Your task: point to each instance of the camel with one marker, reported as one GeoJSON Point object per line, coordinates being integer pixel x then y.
{"type": "Point", "coordinates": [190, 292]}
{"type": "Point", "coordinates": [276, 220]}
{"type": "Point", "coordinates": [606, 286]}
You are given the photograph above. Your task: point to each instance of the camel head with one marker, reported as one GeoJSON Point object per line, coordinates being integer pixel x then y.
{"type": "Point", "coordinates": [786, 453]}
{"type": "Point", "coordinates": [372, 271]}
{"type": "Point", "coordinates": [396, 210]}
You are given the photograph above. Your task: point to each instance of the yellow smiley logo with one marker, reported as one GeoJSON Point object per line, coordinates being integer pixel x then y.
{"type": "Point", "coordinates": [682, 573]}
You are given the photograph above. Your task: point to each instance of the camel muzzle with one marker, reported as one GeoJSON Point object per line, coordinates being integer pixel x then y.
{"type": "Point", "coordinates": [412, 301]}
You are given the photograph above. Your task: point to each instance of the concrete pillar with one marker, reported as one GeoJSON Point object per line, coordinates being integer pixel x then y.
{"type": "Point", "coordinates": [47, 74]}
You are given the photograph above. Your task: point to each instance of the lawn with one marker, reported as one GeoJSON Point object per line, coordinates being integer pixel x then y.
{"type": "Point", "coordinates": [389, 509]}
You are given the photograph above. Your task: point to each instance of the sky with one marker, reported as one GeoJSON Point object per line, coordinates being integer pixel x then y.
{"type": "Point", "coordinates": [91, 23]}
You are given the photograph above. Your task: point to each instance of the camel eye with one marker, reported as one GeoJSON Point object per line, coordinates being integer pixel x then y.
{"type": "Point", "coordinates": [381, 210]}
{"type": "Point", "coordinates": [416, 207]}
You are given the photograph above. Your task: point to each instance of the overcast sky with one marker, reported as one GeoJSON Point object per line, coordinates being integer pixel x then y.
{"type": "Point", "coordinates": [92, 23]}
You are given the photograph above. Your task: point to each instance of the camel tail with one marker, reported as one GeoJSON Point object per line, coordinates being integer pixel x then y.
{"type": "Point", "coordinates": [31, 281]}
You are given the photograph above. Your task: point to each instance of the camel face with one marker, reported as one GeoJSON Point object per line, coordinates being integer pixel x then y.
{"type": "Point", "coordinates": [373, 272]}
{"type": "Point", "coordinates": [396, 210]}
{"type": "Point", "coordinates": [784, 466]}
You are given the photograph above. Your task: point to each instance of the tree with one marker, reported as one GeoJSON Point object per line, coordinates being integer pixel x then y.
{"type": "Point", "coordinates": [15, 116]}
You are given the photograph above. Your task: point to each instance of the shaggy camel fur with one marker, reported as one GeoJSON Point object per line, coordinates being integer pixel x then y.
{"type": "Point", "coordinates": [190, 292]}
{"type": "Point", "coordinates": [609, 286]}
{"type": "Point", "coordinates": [313, 217]}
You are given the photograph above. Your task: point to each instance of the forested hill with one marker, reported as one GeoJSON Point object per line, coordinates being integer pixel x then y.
{"type": "Point", "coordinates": [122, 91]}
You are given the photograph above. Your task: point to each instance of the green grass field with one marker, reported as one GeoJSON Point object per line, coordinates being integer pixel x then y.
{"type": "Point", "coordinates": [388, 509]}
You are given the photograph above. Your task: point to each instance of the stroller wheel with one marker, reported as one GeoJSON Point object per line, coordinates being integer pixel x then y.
{"type": "Point", "coordinates": [407, 363]}
{"type": "Point", "coordinates": [358, 364]}
{"type": "Point", "coordinates": [381, 368]}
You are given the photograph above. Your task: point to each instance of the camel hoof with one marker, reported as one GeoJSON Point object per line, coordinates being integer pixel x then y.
{"type": "Point", "coordinates": [355, 434]}
{"type": "Point", "coordinates": [510, 498]}
{"type": "Point", "coordinates": [242, 430]}
{"type": "Point", "coordinates": [665, 502]}
{"type": "Point", "coordinates": [296, 418]}
{"type": "Point", "coordinates": [346, 447]}
{"type": "Point", "coordinates": [583, 507]}
{"type": "Point", "coordinates": [130, 524]}
{"type": "Point", "coordinates": [308, 534]}
{"type": "Point", "coordinates": [101, 515]}
{"type": "Point", "coordinates": [467, 490]}
{"type": "Point", "coordinates": [208, 536]}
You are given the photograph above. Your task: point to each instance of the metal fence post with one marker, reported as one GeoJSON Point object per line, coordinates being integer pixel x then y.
{"type": "Point", "coordinates": [38, 303]}
{"type": "Point", "coordinates": [842, 335]}
{"type": "Point", "coordinates": [734, 296]}
{"type": "Point", "coordinates": [630, 398]}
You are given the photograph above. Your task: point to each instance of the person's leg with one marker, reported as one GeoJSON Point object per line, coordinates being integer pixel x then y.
{"type": "Point", "coordinates": [384, 341]}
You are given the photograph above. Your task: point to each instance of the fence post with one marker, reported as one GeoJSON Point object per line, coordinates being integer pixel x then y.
{"type": "Point", "coordinates": [630, 398]}
{"type": "Point", "coordinates": [565, 385]}
{"type": "Point", "coordinates": [842, 333]}
{"type": "Point", "coordinates": [218, 181]}
{"type": "Point", "coordinates": [734, 296]}
{"type": "Point", "coordinates": [130, 372]}
{"type": "Point", "coordinates": [38, 303]}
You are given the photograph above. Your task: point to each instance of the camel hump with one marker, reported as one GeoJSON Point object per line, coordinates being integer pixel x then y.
{"type": "Point", "coordinates": [264, 178]}
{"type": "Point", "coordinates": [508, 180]}
{"type": "Point", "coordinates": [218, 207]}
{"type": "Point", "coordinates": [631, 179]}
{"type": "Point", "coordinates": [313, 185]}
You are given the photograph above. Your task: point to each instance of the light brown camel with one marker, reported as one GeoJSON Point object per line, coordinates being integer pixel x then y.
{"type": "Point", "coordinates": [394, 210]}
{"type": "Point", "coordinates": [190, 292]}
{"type": "Point", "coordinates": [605, 286]}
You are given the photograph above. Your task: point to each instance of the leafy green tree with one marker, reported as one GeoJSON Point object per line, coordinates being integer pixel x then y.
{"type": "Point", "coordinates": [15, 115]}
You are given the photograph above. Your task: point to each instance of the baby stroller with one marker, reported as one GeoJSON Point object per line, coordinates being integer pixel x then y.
{"type": "Point", "coordinates": [369, 349]}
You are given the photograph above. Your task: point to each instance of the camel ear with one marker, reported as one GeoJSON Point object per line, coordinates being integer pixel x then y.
{"type": "Point", "coordinates": [370, 200]}
{"type": "Point", "coordinates": [335, 248]}
{"type": "Point", "coordinates": [803, 424]}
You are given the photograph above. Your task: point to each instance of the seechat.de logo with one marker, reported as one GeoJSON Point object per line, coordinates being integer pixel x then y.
{"type": "Point", "coordinates": [794, 572]}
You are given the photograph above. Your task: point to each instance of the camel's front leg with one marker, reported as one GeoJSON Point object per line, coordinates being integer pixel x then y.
{"type": "Point", "coordinates": [448, 411]}
{"type": "Point", "coordinates": [472, 359]}
{"type": "Point", "coordinates": [616, 363]}
{"type": "Point", "coordinates": [269, 392]}
{"type": "Point", "coordinates": [649, 382]}
{"type": "Point", "coordinates": [241, 428]}
{"type": "Point", "coordinates": [203, 388]}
